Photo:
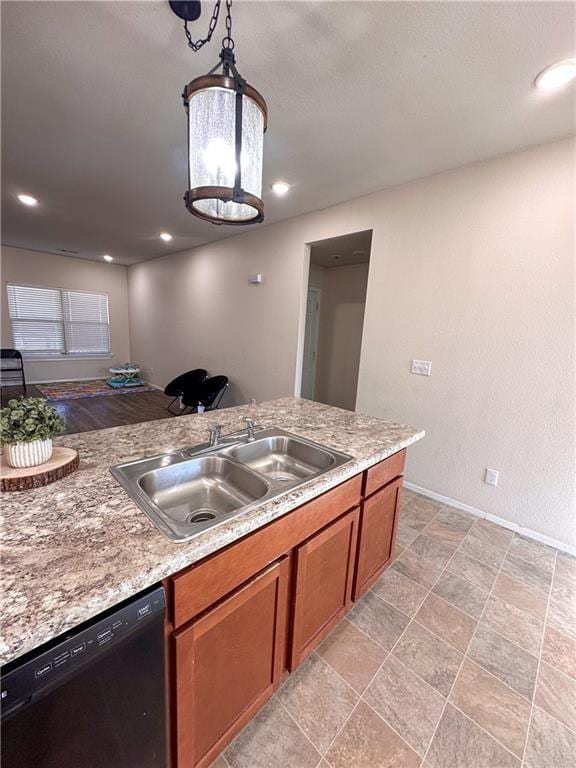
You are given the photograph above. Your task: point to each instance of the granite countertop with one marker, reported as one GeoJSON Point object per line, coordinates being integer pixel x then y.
{"type": "Point", "coordinates": [79, 546]}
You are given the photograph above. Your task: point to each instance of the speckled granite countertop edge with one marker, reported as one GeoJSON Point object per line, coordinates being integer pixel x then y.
{"type": "Point", "coordinates": [93, 553]}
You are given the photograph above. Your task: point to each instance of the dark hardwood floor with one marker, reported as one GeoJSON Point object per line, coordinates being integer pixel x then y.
{"type": "Point", "coordinates": [89, 413]}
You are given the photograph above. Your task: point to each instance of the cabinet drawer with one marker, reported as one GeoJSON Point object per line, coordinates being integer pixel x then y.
{"type": "Point", "coordinates": [384, 472]}
{"type": "Point", "coordinates": [324, 572]}
{"type": "Point", "coordinates": [228, 663]}
{"type": "Point", "coordinates": [376, 538]}
{"type": "Point", "coordinates": [201, 585]}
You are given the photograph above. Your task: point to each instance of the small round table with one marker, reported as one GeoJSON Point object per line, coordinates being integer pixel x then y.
{"type": "Point", "coordinates": [125, 376]}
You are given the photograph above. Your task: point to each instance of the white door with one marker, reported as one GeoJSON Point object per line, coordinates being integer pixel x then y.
{"type": "Point", "coordinates": [311, 343]}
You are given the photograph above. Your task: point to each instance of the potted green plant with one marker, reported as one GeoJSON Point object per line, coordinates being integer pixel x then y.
{"type": "Point", "coordinates": [27, 427]}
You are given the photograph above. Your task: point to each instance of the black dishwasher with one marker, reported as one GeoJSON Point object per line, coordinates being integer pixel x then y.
{"type": "Point", "coordinates": [93, 698]}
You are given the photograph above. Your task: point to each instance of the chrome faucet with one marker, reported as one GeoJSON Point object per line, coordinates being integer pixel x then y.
{"type": "Point", "coordinates": [215, 434]}
{"type": "Point", "coordinates": [250, 426]}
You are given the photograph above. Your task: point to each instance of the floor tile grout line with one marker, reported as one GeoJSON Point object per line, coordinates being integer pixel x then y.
{"type": "Point", "coordinates": [474, 560]}
{"type": "Point", "coordinates": [327, 663]}
{"type": "Point", "coordinates": [391, 651]}
{"type": "Point", "coordinates": [446, 699]}
{"type": "Point", "coordinates": [523, 583]}
{"type": "Point", "coordinates": [339, 731]}
{"type": "Point", "coordinates": [512, 642]}
{"type": "Point", "coordinates": [553, 717]}
{"type": "Point", "coordinates": [412, 619]}
{"type": "Point", "coordinates": [427, 684]}
{"type": "Point", "coordinates": [361, 698]}
{"type": "Point", "coordinates": [464, 657]}
{"type": "Point", "coordinates": [560, 671]}
{"type": "Point", "coordinates": [453, 605]}
{"type": "Point", "coordinates": [469, 615]}
{"type": "Point", "coordinates": [392, 728]}
{"type": "Point", "coordinates": [297, 724]}
{"type": "Point", "coordinates": [499, 570]}
{"type": "Point", "coordinates": [346, 618]}
{"type": "Point", "coordinates": [538, 670]}
{"type": "Point", "coordinates": [494, 738]}
{"type": "Point", "coordinates": [502, 682]}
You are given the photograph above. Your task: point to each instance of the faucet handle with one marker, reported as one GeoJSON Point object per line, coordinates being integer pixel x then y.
{"type": "Point", "coordinates": [249, 421]}
{"type": "Point", "coordinates": [215, 434]}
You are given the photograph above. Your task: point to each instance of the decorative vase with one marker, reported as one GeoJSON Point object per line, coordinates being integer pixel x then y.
{"type": "Point", "coordinates": [29, 454]}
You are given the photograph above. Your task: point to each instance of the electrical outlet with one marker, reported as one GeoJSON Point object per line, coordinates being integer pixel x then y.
{"type": "Point", "coordinates": [421, 367]}
{"type": "Point", "coordinates": [491, 476]}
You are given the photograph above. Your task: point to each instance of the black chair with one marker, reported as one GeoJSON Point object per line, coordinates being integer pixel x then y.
{"type": "Point", "coordinates": [209, 393]}
{"type": "Point", "coordinates": [184, 383]}
{"type": "Point", "coordinates": [13, 368]}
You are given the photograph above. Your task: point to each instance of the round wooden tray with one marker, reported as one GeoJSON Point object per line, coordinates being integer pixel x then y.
{"type": "Point", "coordinates": [63, 462]}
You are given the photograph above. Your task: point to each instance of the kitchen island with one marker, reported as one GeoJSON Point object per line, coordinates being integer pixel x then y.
{"type": "Point", "coordinates": [247, 600]}
{"type": "Point", "coordinates": [80, 546]}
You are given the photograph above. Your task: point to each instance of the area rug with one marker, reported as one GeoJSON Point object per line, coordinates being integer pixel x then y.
{"type": "Point", "coordinates": [73, 390]}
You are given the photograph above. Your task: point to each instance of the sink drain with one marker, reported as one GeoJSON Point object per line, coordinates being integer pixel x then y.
{"type": "Point", "coordinates": [281, 477]}
{"type": "Point", "coordinates": [201, 517]}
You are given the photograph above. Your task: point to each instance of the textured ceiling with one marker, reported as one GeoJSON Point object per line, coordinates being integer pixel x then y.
{"type": "Point", "coordinates": [362, 96]}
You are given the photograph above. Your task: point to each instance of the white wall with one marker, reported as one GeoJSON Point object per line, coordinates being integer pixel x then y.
{"type": "Point", "coordinates": [37, 268]}
{"type": "Point", "coordinates": [340, 335]}
{"type": "Point", "coordinates": [472, 269]}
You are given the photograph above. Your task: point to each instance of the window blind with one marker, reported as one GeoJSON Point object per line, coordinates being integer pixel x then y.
{"type": "Point", "coordinates": [53, 321]}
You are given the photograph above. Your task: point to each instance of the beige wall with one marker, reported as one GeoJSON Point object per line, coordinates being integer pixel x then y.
{"type": "Point", "coordinates": [37, 268]}
{"type": "Point", "coordinates": [340, 335]}
{"type": "Point", "coordinates": [472, 269]}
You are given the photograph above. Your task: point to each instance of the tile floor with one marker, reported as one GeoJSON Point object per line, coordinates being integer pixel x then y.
{"type": "Point", "coordinates": [463, 655]}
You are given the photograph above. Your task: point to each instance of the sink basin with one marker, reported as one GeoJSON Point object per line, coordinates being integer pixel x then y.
{"type": "Point", "coordinates": [194, 494]}
{"type": "Point", "coordinates": [283, 459]}
{"type": "Point", "coordinates": [185, 492]}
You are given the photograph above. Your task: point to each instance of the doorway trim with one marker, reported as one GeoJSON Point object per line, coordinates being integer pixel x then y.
{"type": "Point", "coordinates": [305, 276]}
{"type": "Point", "coordinates": [312, 289]}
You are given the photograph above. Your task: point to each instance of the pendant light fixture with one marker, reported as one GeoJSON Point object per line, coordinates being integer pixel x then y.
{"type": "Point", "coordinates": [226, 123]}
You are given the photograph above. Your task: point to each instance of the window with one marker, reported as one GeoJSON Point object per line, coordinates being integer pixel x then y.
{"type": "Point", "coordinates": [54, 321]}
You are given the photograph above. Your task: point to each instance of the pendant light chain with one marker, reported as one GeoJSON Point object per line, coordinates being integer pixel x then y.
{"type": "Point", "coordinates": [197, 44]}
{"type": "Point", "coordinates": [228, 42]}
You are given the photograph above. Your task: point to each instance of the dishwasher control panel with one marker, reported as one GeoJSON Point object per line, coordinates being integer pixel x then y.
{"type": "Point", "coordinates": [27, 676]}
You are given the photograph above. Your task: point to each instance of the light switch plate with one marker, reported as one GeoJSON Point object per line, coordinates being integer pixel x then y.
{"type": "Point", "coordinates": [421, 367]}
{"type": "Point", "coordinates": [491, 476]}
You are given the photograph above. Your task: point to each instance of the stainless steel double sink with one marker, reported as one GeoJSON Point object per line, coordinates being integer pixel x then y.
{"type": "Point", "coordinates": [188, 491]}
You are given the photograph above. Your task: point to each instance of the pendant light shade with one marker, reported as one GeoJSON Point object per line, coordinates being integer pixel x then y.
{"type": "Point", "coordinates": [226, 123]}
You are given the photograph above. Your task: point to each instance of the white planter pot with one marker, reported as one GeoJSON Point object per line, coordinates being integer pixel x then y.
{"type": "Point", "coordinates": [29, 454]}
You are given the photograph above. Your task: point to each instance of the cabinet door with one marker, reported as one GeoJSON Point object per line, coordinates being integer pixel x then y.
{"type": "Point", "coordinates": [227, 664]}
{"type": "Point", "coordinates": [376, 540]}
{"type": "Point", "coordinates": [323, 584]}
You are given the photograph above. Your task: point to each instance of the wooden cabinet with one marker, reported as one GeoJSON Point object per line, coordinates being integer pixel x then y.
{"type": "Point", "coordinates": [206, 582]}
{"type": "Point", "coordinates": [241, 617]}
{"type": "Point", "coordinates": [228, 662]}
{"type": "Point", "coordinates": [324, 569]}
{"type": "Point", "coordinates": [384, 472]}
{"type": "Point", "coordinates": [376, 538]}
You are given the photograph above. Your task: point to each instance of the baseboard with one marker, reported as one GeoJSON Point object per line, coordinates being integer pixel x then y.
{"type": "Point", "coordinates": [61, 381]}
{"type": "Point", "coordinates": [527, 532]}
{"type": "Point", "coordinates": [56, 381]}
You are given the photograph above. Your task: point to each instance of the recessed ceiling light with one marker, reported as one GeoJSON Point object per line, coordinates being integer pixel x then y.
{"type": "Point", "coordinates": [280, 188]}
{"type": "Point", "coordinates": [557, 75]}
{"type": "Point", "coordinates": [107, 257]}
{"type": "Point", "coordinates": [165, 236]}
{"type": "Point", "coordinates": [28, 200]}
